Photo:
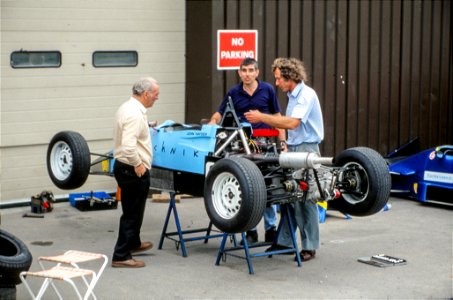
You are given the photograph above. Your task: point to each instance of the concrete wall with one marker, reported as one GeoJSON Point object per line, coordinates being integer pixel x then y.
{"type": "Point", "coordinates": [37, 103]}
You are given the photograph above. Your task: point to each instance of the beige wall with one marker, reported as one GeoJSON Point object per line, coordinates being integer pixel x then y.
{"type": "Point", "coordinates": [37, 103]}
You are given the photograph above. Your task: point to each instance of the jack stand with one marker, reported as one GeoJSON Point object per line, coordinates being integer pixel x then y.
{"type": "Point", "coordinates": [285, 209]}
{"type": "Point", "coordinates": [181, 240]}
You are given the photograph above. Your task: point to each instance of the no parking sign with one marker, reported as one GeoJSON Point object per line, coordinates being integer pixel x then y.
{"type": "Point", "coordinates": [235, 45]}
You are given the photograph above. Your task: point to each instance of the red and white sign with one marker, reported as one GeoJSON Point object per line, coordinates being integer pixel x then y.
{"type": "Point", "coordinates": [235, 45]}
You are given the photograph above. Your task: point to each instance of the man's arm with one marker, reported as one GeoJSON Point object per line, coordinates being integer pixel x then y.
{"type": "Point", "coordinates": [276, 120]}
{"type": "Point", "coordinates": [281, 131]}
{"type": "Point", "coordinates": [215, 119]}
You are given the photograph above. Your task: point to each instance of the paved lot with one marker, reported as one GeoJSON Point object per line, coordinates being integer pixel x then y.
{"type": "Point", "coordinates": [421, 234]}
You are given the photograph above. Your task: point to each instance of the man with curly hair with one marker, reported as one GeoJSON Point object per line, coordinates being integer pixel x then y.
{"type": "Point", "coordinates": [305, 127]}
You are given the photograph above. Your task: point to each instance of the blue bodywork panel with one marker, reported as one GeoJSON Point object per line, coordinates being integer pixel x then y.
{"type": "Point", "coordinates": [182, 147]}
{"type": "Point", "coordinates": [425, 176]}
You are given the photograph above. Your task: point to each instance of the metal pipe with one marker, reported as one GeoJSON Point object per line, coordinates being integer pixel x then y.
{"type": "Point", "coordinates": [244, 141]}
{"type": "Point", "coordinates": [227, 142]}
{"type": "Point", "coordinates": [303, 160]}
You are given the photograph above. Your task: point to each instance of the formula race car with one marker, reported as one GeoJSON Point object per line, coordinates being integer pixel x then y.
{"type": "Point", "coordinates": [426, 176]}
{"type": "Point", "coordinates": [237, 170]}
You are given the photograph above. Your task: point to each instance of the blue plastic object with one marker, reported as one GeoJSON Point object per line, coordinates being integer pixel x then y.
{"type": "Point", "coordinates": [92, 201]}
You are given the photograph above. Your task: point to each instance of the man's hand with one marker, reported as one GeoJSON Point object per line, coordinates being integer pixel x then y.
{"type": "Point", "coordinates": [215, 119]}
{"type": "Point", "coordinates": [140, 170]}
{"type": "Point", "coordinates": [253, 116]}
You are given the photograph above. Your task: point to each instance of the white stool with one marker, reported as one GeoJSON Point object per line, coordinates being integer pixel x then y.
{"type": "Point", "coordinates": [59, 272]}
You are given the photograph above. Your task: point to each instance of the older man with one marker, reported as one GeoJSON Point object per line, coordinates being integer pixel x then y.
{"type": "Point", "coordinates": [133, 156]}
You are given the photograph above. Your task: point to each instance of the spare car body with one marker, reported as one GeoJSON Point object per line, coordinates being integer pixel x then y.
{"type": "Point", "coordinates": [426, 176]}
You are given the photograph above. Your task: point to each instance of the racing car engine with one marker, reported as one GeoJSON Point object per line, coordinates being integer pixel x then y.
{"type": "Point", "coordinates": [304, 184]}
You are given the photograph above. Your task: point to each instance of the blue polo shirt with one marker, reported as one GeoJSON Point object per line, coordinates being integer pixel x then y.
{"type": "Point", "coordinates": [263, 99]}
{"type": "Point", "coordinates": [303, 104]}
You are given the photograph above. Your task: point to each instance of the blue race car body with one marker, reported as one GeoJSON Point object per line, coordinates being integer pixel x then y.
{"type": "Point", "coordinates": [184, 149]}
{"type": "Point", "coordinates": [426, 176]}
{"type": "Point", "coordinates": [238, 171]}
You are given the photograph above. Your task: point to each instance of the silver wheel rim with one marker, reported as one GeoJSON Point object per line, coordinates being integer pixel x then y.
{"type": "Point", "coordinates": [226, 195]}
{"type": "Point", "coordinates": [61, 160]}
{"type": "Point", "coordinates": [357, 175]}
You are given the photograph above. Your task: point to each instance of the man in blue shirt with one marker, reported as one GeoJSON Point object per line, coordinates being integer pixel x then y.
{"type": "Point", "coordinates": [305, 132]}
{"type": "Point", "coordinates": [252, 94]}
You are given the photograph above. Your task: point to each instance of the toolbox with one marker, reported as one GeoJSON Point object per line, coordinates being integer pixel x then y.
{"type": "Point", "coordinates": [92, 201]}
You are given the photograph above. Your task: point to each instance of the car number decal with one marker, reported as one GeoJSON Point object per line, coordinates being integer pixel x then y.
{"type": "Point", "coordinates": [438, 176]}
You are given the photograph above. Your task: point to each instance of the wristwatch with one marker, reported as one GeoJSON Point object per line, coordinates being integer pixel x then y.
{"type": "Point", "coordinates": [282, 144]}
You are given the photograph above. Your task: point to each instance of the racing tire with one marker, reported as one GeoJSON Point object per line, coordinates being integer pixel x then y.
{"type": "Point", "coordinates": [235, 195]}
{"type": "Point", "coordinates": [14, 258]}
{"type": "Point", "coordinates": [68, 160]}
{"type": "Point", "coordinates": [365, 182]}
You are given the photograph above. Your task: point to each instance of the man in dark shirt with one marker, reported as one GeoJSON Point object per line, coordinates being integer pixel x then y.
{"type": "Point", "coordinates": [253, 94]}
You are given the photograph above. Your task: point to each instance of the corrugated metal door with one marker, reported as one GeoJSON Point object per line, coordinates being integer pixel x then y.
{"type": "Point", "coordinates": [382, 69]}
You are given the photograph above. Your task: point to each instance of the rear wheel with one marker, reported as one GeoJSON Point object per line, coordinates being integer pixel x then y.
{"type": "Point", "coordinates": [364, 182]}
{"type": "Point", "coordinates": [235, 195]}
{"type": "Point", "coordinates": [68, 160]}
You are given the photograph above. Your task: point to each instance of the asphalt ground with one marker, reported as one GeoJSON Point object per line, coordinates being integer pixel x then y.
{"type": "Point", "coordinates": [418, 233]}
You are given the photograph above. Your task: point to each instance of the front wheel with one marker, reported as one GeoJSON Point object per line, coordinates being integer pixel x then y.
{"type": "Point", "coordinates": [235, 195]}
{"type": "Point", "coordinates": [364, 182]}
{"type": "Point", "coordinates": [68, 160]}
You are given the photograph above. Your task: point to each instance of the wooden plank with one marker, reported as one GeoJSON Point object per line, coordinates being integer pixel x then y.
{"type": "Point", "coordinates": [165, 197]}
{"type": "Point", "coordinates": [384, 82]}
{"type": "Point", "coordinates": [341, 79]}
{"type": "Point", "coordinates": [353, 76]}
{"type": "Point", "coordinates": [374, 68]}
{"type": "Point", "coordinates": [395, 74]}
{"type": "Point", "coordinates": [363, 80]}
{"type": "Point", "coordinates": [329, 79]}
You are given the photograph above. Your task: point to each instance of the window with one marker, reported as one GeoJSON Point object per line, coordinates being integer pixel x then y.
{"type": "Point", "coordinates": [104, 59]}
{"type": "Point", "coordinates": [36, 59]}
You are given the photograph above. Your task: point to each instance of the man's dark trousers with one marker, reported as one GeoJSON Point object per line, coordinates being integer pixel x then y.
{"type": "Point", "coordinates": [134, 192]}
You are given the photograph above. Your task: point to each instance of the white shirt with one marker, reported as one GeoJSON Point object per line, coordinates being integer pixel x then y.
{"type": "Point", "coordinates": [303, 104]}
{"type": "Point", "coordinates": [131, 135]}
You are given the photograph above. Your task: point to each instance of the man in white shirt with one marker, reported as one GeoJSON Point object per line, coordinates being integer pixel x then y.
{"type": "Point", "coordinates": [305, 127]}
{"type": "Point", "coordinates": [133, 156]}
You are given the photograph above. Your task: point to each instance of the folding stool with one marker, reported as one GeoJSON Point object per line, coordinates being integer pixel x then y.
{"type": "Point", "coordinates": [59, 272]}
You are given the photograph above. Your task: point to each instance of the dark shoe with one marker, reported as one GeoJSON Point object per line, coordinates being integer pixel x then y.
{"type": "Point", "coordinates": [270, 235]}
{"type": "Point", "coordinates": [306, 255]}
{"type": "Point", "coordinates": [252, 238]}
{"type": "Point", "coordinates": [130, 263]}
{"type": "Point", "coordinates": [143, 247]}
{"type": "Point", "coordinates": [276, 247]}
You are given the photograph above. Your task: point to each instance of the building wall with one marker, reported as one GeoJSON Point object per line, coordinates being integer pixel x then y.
{"type": "Point", "coordinates": [37, 103]}
{"type": "Point", "coordinates": [383, 70]}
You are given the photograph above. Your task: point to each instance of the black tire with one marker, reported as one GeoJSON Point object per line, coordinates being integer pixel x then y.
{"type": "Point", "coordinates": [8, 292]}
{"type": "Point", "coordinates": [14, 258]}
{"type": "Point", "coordinates": [235, 195]}
{"type": "Point", "coordinates": [68, 160]}
{"type": "Point", "coordinates": [365, 182]}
